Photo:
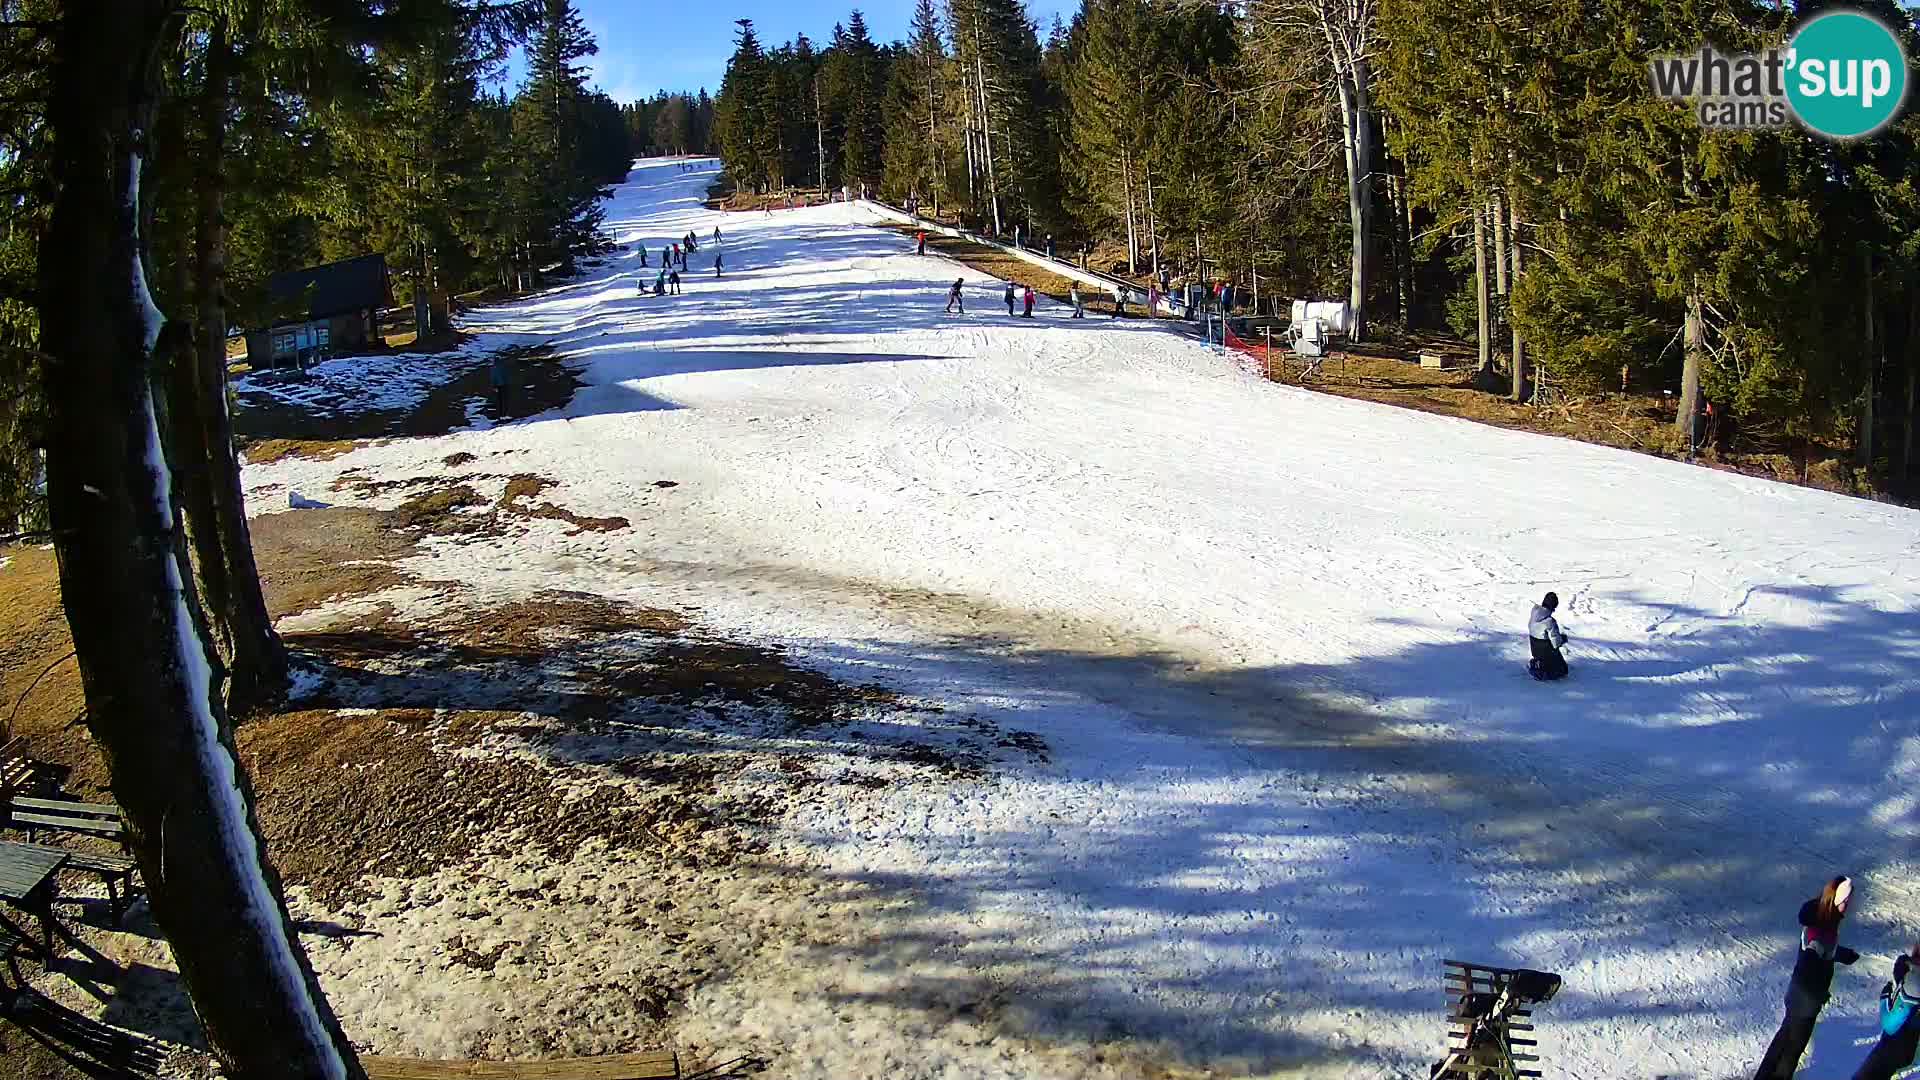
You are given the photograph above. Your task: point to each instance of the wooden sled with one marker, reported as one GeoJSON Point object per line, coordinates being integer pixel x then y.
{"type": "Point", "coordinates": [1489, 1015]}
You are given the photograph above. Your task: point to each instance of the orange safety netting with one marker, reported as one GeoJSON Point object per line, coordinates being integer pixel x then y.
{"type": "Point", "coordinates": [1253, 358]}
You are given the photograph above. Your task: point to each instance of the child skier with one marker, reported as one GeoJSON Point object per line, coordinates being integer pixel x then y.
{"type": "Point", "coordinates": [1546, 640]}
{"type": "Point", "coordinates": [1010, 288]}
{"type": "Point", "coordinates": [1079, 305]}
{"type": "Point", "coordinates": [1899, 1028]}
{"type": "Point", "coordinates": [1028, 299]}
{"type": "Point", "coordinates": [1812, 981]}
{"type": "Point", "coordinates": [955, 299]}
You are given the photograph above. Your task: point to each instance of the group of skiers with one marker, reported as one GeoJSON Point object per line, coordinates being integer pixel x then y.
{"type": "Point", "coordinates": [673, 259]}
{"type": "Point", "coordinates": [1021, 298]}
{"type": "Point", "coordinates": [1811, 986]}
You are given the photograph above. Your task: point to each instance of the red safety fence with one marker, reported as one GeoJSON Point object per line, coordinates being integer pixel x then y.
{"type": "Point", "coordinates": [1255, 358]}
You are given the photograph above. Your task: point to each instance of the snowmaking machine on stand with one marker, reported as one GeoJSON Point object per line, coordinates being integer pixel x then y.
{"type": "Point", "coordinates": [1314, 326]}
{"type": "Point", "coordinates": [1486, 1007]}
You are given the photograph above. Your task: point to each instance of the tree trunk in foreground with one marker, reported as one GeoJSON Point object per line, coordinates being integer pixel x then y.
{"type": "Point", "coordinates": [258, 662]}
{"type": "Point", "coordinates": [151, 680]}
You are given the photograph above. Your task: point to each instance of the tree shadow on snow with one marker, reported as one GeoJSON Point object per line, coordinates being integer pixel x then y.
{"type": "Point", "coordinates": [1668, 826]}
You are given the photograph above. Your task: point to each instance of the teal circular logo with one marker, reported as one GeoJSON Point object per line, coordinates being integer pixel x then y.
{"type": "Point", "coordinates": [1847, 74]}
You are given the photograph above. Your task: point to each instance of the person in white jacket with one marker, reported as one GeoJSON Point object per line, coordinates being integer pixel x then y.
{"type": "Point", "coordinates": [1543, 634]}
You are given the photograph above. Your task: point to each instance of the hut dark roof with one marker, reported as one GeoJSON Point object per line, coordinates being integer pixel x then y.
{"type": "Point", "coordinates": [337, 288]}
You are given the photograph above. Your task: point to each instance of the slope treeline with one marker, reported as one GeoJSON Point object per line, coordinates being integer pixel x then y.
{"type": "Point", "coordinates": [1497, 169]}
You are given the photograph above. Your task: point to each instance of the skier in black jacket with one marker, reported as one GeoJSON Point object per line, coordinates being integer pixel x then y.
{"type": "Point", "coordinates": [1546, 641]}
{"type": "Point", "coordinates": [1812, 981]}
{"type": "Point", "coordinates": [1899, 1027]}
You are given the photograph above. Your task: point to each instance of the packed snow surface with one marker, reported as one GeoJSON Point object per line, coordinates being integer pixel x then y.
{"type": "Point", "coordinates": [1274, 643]}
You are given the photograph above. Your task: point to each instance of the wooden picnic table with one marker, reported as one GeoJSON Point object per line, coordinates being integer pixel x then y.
{"type": "Point", "coordinates": [27, 874]}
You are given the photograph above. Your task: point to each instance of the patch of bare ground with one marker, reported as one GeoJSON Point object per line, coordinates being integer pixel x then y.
{"type": "Point", "coordinates": [438, 511]}
{"type": "Point", "coordinates": [308, 557]}
{"type": "Point", "coordinates": [448, 506]}
{"type": "Point", "coordinates": [394, 793]}
{"type": "Point", "coordinates": [562, 735]}
{"type": "Point", "coordinates": [1391, 374]}
{"type": "Point", "coordinates": [264, 451]}
{"type": "Point", "coordinates": [525, 486]}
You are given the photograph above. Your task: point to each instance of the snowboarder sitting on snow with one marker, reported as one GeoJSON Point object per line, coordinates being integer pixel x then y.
{"type": "Point", "coordinates": [954, 299]}
{"type": "Point", "coordinates": [1899, 1027]}
{"type": "Point", "coordinates": [1543, 633]}
{"type": "Point", "coordinates": [1010, 287]}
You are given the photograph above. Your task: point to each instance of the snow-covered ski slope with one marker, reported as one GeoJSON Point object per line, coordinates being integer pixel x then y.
{"type": "Point", "coordinates": [1274, 642]}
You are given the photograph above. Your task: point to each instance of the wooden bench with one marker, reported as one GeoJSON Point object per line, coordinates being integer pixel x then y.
{"type": "Point", "coordinates": [23, 775]}
{"type": "Point", "coordinates": [92, 819]}
{"type": "Point", "coordinates": [114, 871]}
{"type": "Point", "coordinates": [662, 1065]}
{"type": "Point", "coordinates": [10, 943]}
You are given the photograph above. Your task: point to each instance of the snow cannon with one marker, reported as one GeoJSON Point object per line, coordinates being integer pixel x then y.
{"type": "Point", "coordinates": [1315, 323]}
{"type": "Point", "coordinates": [1487, 1006]}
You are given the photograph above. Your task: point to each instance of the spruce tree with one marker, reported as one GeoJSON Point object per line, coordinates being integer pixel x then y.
{"type": "Point", "coordinates": [743, 116]}
{"type": "Point", "coordinates": [549, 127]}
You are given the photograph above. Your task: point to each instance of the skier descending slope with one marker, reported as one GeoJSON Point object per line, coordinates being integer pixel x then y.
{"type": "Point", "coordinates": [1812, 980]}
{"type": "Point", "coordinates": [1543, 634]}
{"type": "Point", "coordinates": [1899, 1026]}
{"type": "Point", "coordinates": [955, 299]}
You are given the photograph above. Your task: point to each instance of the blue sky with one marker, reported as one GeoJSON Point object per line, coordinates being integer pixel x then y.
{"type": "Point", "coordinates": [652, 45]}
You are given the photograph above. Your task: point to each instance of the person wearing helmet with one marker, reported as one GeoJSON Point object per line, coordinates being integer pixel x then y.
{"type": "Point", "coordinates": [1899, 1027]}
{"type": "Point", "coordinates": [1546, 640]}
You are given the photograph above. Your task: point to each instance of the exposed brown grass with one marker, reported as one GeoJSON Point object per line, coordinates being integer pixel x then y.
{"type": "Point", "coordinates": [262, 451]}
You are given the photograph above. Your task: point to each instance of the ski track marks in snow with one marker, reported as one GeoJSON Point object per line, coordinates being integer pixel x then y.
{"type": "Point", "coordinates": [1273, 641]}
